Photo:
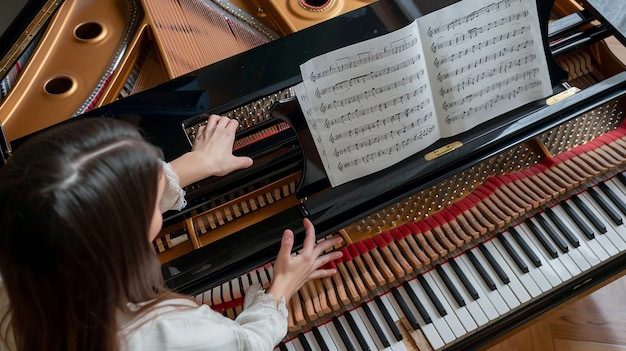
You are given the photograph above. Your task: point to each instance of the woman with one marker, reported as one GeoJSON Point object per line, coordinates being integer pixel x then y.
{"type": "Point", "coordinates": [80, 205]}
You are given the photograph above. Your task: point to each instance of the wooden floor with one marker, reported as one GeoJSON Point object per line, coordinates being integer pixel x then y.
{"type": "Point", "coordinates": [596, 322]}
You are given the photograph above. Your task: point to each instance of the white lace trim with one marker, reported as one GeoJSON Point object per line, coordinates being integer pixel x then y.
{"type": "Point", "coordinates": [174, 196]}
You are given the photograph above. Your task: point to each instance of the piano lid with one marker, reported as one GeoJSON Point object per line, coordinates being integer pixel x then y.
{"type": "Point", "coordinates": [20, 22]}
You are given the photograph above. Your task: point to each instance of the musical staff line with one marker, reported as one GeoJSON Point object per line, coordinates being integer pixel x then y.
{"type": "Point", "coordinates": [489, 104]}
{"type": "Point", "coordinates": [408, 113]}
{"type": "Point", "coordinates": [362, 79]}
{"type": "Point", "coordinates": [501, 68]}
{"type": "Point", "coordinates": [388, 151]}
{"type": "Point", "coordinates": [364, 58]}
{"type": "Point", "coordinates": [457, 22]}
{"type": "Point", "coordinates": [471, 80]}
{"type": "Point", "coordinates": [400, 83]}
{"type": "Point", "coordinates": [461, 38]}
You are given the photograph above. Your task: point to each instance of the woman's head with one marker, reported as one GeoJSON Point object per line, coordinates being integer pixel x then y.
{"type": "Point", "coordinates": [77, 206]}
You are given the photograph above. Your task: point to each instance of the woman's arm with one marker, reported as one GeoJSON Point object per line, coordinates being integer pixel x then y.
{"type": "Point", "coordinates": [211, 154]}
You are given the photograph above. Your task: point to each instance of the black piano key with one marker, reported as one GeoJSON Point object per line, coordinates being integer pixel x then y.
{"type": "Point", "coordinates": [405, 309]}
{"type": "Point", "coordinates": [356, 331]}
{"type": "Point", "coordinates": [530, 253]}
{"type": "Point", "coordinates": [504, 278]}
{"type": "Point", "coordinates": [267, 274]}
{"type": "Point", "coordinates": [342, 333]}
{"type": "Point", "coordinates": [416, 302]}
{"type": "Point", "coordinates": [304, 342]}
{"type": "Point", "coordinates": [622, 178]}
{"type": "Point", "coordinates": [542, 239]}
{"type": "Point", "coordinates": [431, 295]}
{"type": "Point", "coordinates": [481, 270]}
{"type": "Point", "coordinates": [392, 325]}
{"type": "Point", "coordinates": [605, 206]}
{"type": "Point", "coordinates": [556, 238]}
{"type": "Point", "coordinates": [448, 283]}
{"type": "Point", "coordinates": [519, 262]}
{"type": "Point", "coordinates": [587, 232]}
{"type": "Point", "coordinates": [374, 323]}
{"type": "Point", "coordinates": [320, 339]}
{"type": "Point", "coordinates": [230, 290]}
{"type": "Point", "coordinates": [466, 283]}
{"type": "Point", "coordinates": [571, 238]}
{"type": "Point", "coordinates": [615, 199]}
{"type": "Point", "coordinates": [282, 346]}
{"type": "Point", "coordinates": [595, 221]}
{"type": "Point", "coordinates": [241, 289]}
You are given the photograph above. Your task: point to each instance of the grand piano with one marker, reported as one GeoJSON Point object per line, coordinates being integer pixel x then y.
{"type": "Point", "coordinates": [445, 253]}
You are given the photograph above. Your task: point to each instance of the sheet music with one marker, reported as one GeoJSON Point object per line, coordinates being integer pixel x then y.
{"type": "Point", "coordinates": [485, 62]}
{"type": "Point", "coordinates": [375, 103]}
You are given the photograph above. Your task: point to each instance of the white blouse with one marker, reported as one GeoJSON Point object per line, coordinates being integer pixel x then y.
{"type": "Point", "coordinates": [181, 324]}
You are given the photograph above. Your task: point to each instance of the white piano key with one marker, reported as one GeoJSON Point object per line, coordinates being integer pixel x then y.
{"type": "Point", "coordinates": [428, 329]}
{"type": "Point", "coordinates": [310, 338]}
{"type": "Point", "coordinates": [615, 237]}
{"type": "Point", "coordinates": [368, 332]}
{"type": "Point", "coordinates": [556, 264]}
{"type": "Point", "coordinates": [525, 279]}
{"type": "Point", "coordinates": [574, 253]}
{"type": "Point", "coordinates": [438, 322]}
{"type": "Point", "coordinates": [458, 318]}
{"type": "Point", "coordinates": [616, 184]}
{"type": "Point", "coordinates": [504, 290]}
{"type": "Point", "coordinates": [226, 295]}
{"type": "Point", "coordinates": [549, 274]}
{"type": "Point", "coordinates": [328, 338]}
{"type": "Point", "coordinates": [470, 304]}
{"type": "Point", "coordinates": [602, 239]}
{"type": "Point", "coordinates": [591, 249]}
{"type": "Point", "coordinates": [535, 274]}
{"type": "Point", "coordinates": [516, 286]}
{"type": "Point", "coordinates": [485, 301]}
{"type": "Point", "coordinates": [236, 289]}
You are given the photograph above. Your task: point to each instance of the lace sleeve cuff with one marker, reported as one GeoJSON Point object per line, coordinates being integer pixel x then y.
{"type": "Point", "coordinates": [174, 196]}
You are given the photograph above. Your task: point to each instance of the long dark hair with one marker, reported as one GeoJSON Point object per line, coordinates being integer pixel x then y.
{"type": "Point", "coordinates": [77, 202]}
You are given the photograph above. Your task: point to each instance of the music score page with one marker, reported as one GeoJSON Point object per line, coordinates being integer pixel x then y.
{"type": "Point", "coordinates": [374, 103]}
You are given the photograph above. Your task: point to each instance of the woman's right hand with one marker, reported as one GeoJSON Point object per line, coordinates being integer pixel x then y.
{"type": "Point", "coordinates": [291, 271]}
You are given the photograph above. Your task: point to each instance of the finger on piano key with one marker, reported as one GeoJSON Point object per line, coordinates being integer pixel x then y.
{"type": "Point", "coordinates": [502, 288]}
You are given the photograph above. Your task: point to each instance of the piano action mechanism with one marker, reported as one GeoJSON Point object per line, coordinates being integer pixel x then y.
{"type": "Point", "coordinates": [443, 254]}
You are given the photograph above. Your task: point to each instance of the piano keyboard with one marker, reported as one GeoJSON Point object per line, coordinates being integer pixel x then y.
{"type": "Point", "coordinates": [404, 291]}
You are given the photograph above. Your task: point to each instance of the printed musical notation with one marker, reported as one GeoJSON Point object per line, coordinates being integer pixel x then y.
{"type": "Point", "coordinates": [375, 103]}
